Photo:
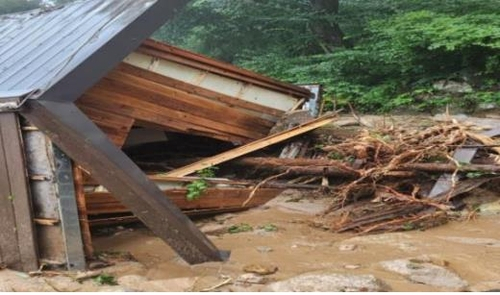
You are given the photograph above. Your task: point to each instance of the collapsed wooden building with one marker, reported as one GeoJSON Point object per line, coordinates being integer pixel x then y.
{"type": "Point", "coordinates": [85, 77]}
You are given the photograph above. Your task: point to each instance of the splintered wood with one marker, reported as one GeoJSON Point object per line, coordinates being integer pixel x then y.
{"type": "Point", "coordinates": [398, 170]}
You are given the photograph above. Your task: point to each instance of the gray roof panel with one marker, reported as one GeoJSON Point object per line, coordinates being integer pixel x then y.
{"type": "Point", "coordinates": [38, 48]}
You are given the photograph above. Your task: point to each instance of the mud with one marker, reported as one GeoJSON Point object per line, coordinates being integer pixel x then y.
{"type": "Point", "coordinates": [470, 249]}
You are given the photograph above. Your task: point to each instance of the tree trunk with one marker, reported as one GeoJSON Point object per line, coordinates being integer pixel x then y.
{"type": "Point", "coordinates": [329, 33]}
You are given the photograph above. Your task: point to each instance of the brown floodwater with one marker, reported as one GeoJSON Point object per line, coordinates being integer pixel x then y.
{"type": "Point", "coordinates": [471, 249]}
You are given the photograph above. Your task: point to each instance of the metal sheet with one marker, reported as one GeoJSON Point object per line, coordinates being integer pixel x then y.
{"type": "Point", "coordinates": [66, 50]}
{"type": "Point", "coordinates": [75, 257]}
{"type": "Point", "coordinates": [463, 155]}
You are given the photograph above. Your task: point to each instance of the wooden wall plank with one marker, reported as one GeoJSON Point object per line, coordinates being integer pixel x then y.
{"type": "Point", "coordinates": [213, 198]}
{"type": "Point", "coordinates": [153, 119]}
{"type": "Point", "coordinates": [115, 126]}
{"type": "Point", "coordinates": [82, 211]}
{"type": "Point", "coordinates": [155, 111]}
{"type": "Point", "coordinates": [150, 112]}
{"type": "Point", "coordinates": [17, 235]}
{"type": "Point", "coordinates": [18, 178]}
{"type": "Point", "coordinates": [189, 88]}
{"type": "Point", "coordinates": [182, 101]}
{"type": "Point", "coordinates": [8, 238]}
{"type": "Point", "coordinates": [186, 96]}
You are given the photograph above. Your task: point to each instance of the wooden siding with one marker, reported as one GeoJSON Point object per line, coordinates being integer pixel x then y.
{"type": "Point", "coordinates": [129, 94]}
{"type": "Point", "coordinates": [213, 199]}
{"type": "Point", "coordinates": [18, 248]}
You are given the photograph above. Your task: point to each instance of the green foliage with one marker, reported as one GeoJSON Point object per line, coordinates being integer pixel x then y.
{"type": "Point", "coordinates": [196, 188]}
{"type": "Point", "coordinates": [269, 227]}
{"type": "Point", "coordinates": [105, 279]}
{"type": "Point", "coordinates": [239, 228]}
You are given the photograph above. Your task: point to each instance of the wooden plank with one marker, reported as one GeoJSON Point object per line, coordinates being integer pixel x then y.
{"type": "Point", "coordinates": [181, 100]}
{"type": "Point", "coordinates": [9, 246]}
{"type": "Point", "coordinates": [21, 200]}
{"type": "Point", "coordinates": [115, 126]}
{"type": "Point", "coordinates": [212, 198]}
{"type": "Point", "coordinates": [251, 147]}
{"type": "Point", "coordinates": [165, 111]}
{"type": "Point", "coordinates": [82, 211]}
{"type": "Point", "coordinates": [197, 61]}
{"type": "Point", "coordinates": [146, 118]}
{"type": "Point", "coordinates": [149, 112]}
{"type": "Point", "coordinates": [81, 139]}
{"type": "Point", "coordinates": [193, 89]}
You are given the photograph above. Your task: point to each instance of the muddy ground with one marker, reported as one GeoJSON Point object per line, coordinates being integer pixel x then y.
{"type": "Point", "coordinates": [461, 255]}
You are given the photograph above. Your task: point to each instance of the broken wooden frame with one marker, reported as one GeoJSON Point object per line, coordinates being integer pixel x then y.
{"type": "Point", "coordinates": [85, 143]}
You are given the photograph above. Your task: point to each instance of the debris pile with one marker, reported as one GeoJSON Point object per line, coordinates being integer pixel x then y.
{"type": "Point", "coordinates": [379, 178]}
{"type": "Point", "coordinates": [407, 179]}
{"type": "Point", "coordinates": [382, 179]}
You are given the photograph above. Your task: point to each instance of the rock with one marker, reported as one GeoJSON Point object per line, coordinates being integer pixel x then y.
{"type": "Point", "coordinates": [348, 247]}
{"type": "Point", "coordinates": [328, 282]}
{"type": "Point", "coordinates": [397, 240]}
{"type": "Point", "coordinates": [214, 229]}
{"type": "Point", "coordinates": [489, 286]}
{"type": "Point", "coordinates": [423, 272]}
{"type": "Point", "coordinates": [260, 269]}
{"type": "Point", "coordinates": [264, 249]}
{"type": "Point", "coordinates": [13, 281]}
{"type": "Point", "coordinates": [251, 278]}
{"type": "Point", "coordinates": [452, 86]}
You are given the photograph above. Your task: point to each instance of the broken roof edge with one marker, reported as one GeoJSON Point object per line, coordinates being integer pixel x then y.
{"type": "Point", "coordinates": [168, 52]}
{"type": "Point", "coordinates": [114, 50]}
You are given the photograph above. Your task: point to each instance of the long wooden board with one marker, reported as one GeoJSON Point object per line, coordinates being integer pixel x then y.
{"type": "Point", "coordinates": [18, 248]}
{"type": "Point", "coordinates": [193, 89]}
{"type": "Point", "coordinates": [253, 146]}
{"type": "Point", "coordinates": [211, 199]}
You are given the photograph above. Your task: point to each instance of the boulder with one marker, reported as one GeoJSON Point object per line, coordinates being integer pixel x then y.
{"type": "Point", "coordinates": [328, 282]}
{"type": "Point", "coordinates": [422, 271]}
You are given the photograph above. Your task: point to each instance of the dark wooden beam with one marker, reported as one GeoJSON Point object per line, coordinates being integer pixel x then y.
{"type": "Point", "coordinates": [18, 249]}
{"type": "Point", "coordinates": [85, 143]}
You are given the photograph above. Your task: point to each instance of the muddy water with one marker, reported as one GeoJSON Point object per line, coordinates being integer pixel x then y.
{"type": "Point", "coordinates": [470, 249]}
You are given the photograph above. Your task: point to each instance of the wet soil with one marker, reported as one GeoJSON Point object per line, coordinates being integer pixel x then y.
{"type": "Point", "coordinates": [471, 248]}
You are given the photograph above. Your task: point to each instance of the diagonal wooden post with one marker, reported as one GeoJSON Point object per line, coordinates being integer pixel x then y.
{"type": "Point", "coordinates": [85, 143]}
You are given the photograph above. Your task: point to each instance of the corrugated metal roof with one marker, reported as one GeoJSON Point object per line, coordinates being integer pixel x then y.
{"type": "Point", "coordinates": [38, 48]}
